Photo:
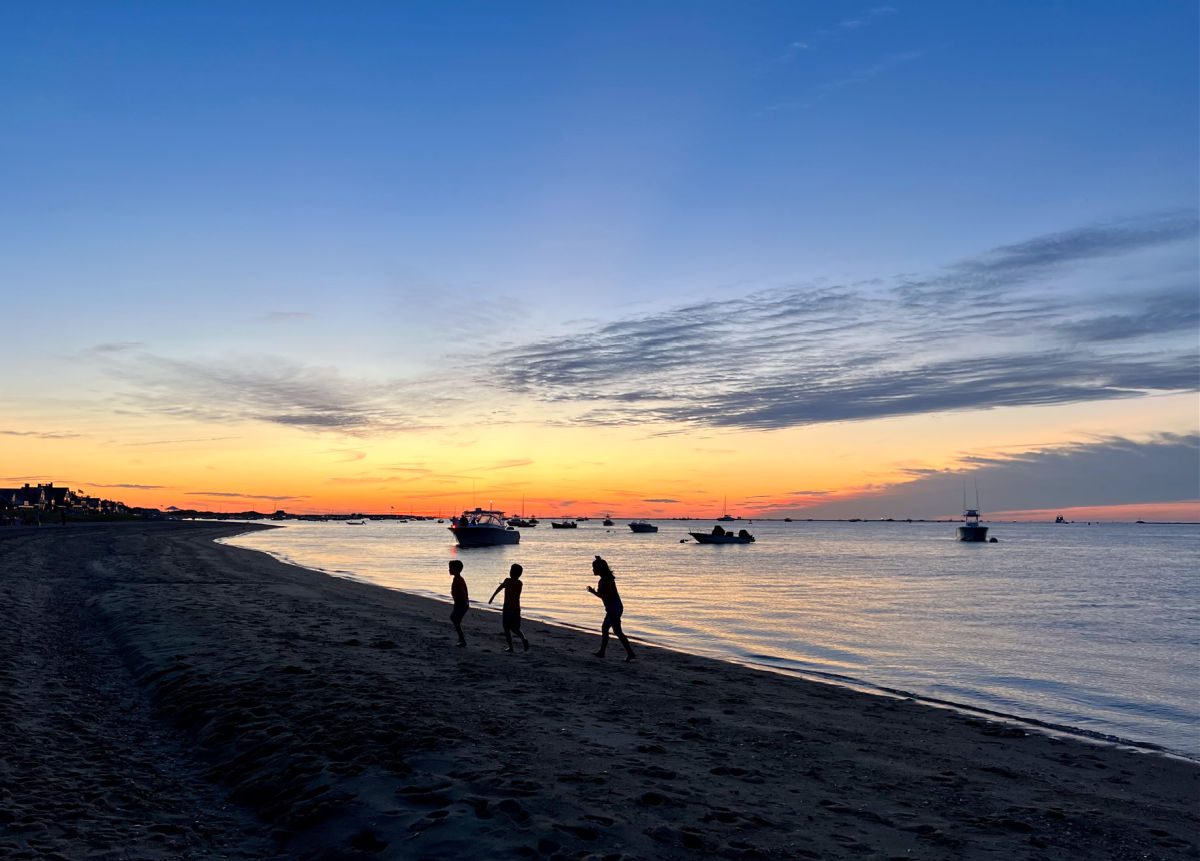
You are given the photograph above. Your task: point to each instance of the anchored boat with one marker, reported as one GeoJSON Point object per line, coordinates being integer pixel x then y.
{"type": "Point", "coordinates": [483, 528]}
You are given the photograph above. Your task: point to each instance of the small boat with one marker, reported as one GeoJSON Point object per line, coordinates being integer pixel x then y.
{"type": "Point", "coordinates": [564, 524]}
{"type": "Point", "coordinates": [356, 523]}
{"type": "Point", "coordinates": [608, 520]}
{"type": "Point", "coordinates": [482, 528]}
{"type": "Point", "coordinates": [726, 517]}
{"type": "Point", "coordinates": [721, 536]}
{"type": "Point", "coordinates": [642, 526]}
{"type": "Point", "coordinates": [1060, 519]}
{"type": "Point", "coordinates": [972, 529]}
{"type": "Point", "coordinates": [521, 523]}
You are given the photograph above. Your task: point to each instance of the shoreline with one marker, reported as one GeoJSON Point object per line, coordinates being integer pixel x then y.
{"type": "Point", "coordinates": [178, 697]}
{"type": "Point", "coordinates": [815, 676]}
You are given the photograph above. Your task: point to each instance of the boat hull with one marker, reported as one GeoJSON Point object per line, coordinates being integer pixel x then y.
{"type": "Point", "coordinates": [972, 533]}
{"type": "Point", "coordinates": [563, 526]}
{"type": "Point", "coordinates": [709, 538]}
{"type": "Point", "coordinates": [487, 536]}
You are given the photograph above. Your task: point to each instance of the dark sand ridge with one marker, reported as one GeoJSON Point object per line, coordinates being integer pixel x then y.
{"type": "Point", "coordinates": [168, 697]}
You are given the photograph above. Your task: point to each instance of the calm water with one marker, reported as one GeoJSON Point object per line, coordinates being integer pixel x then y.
{"type": "Point", "coordinates": [1095, 627]}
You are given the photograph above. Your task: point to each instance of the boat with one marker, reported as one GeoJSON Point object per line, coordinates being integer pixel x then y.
{"type": "Point", "coordinates": [721, 536]}
{"type": "Point", "coordinates": [480, 527]}
{"type": "Point", "coordinates": [608, 520]}
{"type": "Point", "coordinates": [564, 524]}
{"type": "Point", "coordinates": [1060, 519]}
{"type": "Point", "coordinates": [972, 529]}
{"type": "Point", "coordinates": [642, 526]}
{"type": "Point", "coordinates": [726, 517]}
{"type": "Point", "coordinates": [523, 522]}
{"type": "Point", "coordinates": [356, 523]}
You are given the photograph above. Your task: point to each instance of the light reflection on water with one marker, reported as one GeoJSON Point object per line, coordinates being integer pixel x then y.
{"type": "Point", "coordinates": [1088, 626]}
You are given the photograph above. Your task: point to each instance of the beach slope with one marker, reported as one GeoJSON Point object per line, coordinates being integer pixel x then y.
{"type": "Point", "coordinates": [169, 697]}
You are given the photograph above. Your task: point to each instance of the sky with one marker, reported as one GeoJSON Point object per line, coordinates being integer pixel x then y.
{"type": "Point", "coordinates": [653, 259]}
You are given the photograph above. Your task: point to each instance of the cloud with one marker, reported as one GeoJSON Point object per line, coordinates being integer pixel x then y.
{"type": "Point", "coordinates": [91, 484]}
{"type": "Point", "coordinates": [990, 331]}
{"type": "Point", "coordinates": [661, 500]}
{"type": "Point", "coordinates": [348, 455]}
{"type": "Point", "coordinates": [284, 316]}
{"type": "Point", "coordinates": [1090, 473]}
{"type": "Point", "coordinates": [176, 441]}
{"type": "Point", "coordinates": [116, 347]}
{"type": "Point", "coordinates": [272, 390]}
{"type": "Point", "coordinates": [503, 464]}
{"type": "Point", "coordinates": [223, 494]}
{"type": "Point", "coordinates": [40, 434]}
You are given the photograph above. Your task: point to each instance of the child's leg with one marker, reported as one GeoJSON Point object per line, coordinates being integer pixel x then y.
{"type": "Point", "coordinates": [508, 637]}
{"type": "Point", "coordinates": [621, 636]}
{"type": "Point", "coordinates": [604, 637]}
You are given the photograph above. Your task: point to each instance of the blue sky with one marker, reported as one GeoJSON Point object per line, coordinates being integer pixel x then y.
{"type": "Point", "coordinates": [384, 187]}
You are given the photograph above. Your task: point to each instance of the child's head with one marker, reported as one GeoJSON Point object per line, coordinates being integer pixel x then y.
{"type": "Point", "coordinates": [515, 571]}
{"type": "Point", "coordinates": [600, 567]}
{"type": "Point", "coordinates": [456, 566]}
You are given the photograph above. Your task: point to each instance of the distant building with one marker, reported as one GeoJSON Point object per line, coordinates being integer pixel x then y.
{"type": "Point", "coordinates": [42, 497]}
{"type": "Point", "coordinates": [29, 499]}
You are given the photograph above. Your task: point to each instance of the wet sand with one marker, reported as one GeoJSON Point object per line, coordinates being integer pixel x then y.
{"type": "Point", "coordinates": [167, 697]}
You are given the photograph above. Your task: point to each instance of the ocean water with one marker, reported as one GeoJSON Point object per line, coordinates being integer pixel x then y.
{"type": "Point", "coordinates": [1092, 627]}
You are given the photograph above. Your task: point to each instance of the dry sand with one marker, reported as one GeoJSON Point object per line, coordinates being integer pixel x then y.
{"type": "Point", "coordinates": [168, 697]}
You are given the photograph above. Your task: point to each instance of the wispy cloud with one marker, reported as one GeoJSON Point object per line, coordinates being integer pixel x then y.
{"type": "Point", "coordinates": [347, 455]}
{"type": "Point", "coordinates": [126, 486]}
{"type": "Point", "coordinates": [273, 390]}
{"type": "Point", "coordinates": [664, 501]}
{"type": "Point", "coordinates": [40, 434]}
{"type": "Point", "coordinates": [832, 32]}
{"type": "Point", "coordinates": [982, 333]}
{"type": "Point", "coordinates": [284, 316]}
{"type": "Point", "coordinates": [225, 494]}
{"type": "Point", "coordinates": [116, 346]}
{"type": "Point", "coordinates": [154, 442]}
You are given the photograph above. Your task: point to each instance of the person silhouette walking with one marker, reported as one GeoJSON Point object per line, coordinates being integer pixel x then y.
{"type": "Point", "coordinates": [511, 616]}
{"type": "Point", "coordinates": [458, 591]}
{"type": "Point", "coordinates": [606, 591]}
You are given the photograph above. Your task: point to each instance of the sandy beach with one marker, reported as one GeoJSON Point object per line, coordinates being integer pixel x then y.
{"type": "Point", "coordinates": [168, 697]}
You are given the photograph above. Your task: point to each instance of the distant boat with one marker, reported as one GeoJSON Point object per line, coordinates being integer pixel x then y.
{"type": "Point", "coordinates": [523, 522]}
{"type": "Point", "coordinates": [483, 528]}
{"type": "Point", "coordinates": [608, 520]}
{"type": "Point", "coordinates": [564, 524]}
{"type": "Point", "coordinates": [787, 520]}
{"type": "Point", "coordinates": [356, 523]}
{"type": "Point", "coordinates": [726, 517]}
{"type": "Point", "coordinates": [720, 536]}
{"type": "Point", "coordinates": [583, 519]}
{"type": "Point", "coordinates": [1060, 519]}
{"type": "Point", "coordinates": [972, 529]}
{"type": "Point", "coordinates": [642, 526]}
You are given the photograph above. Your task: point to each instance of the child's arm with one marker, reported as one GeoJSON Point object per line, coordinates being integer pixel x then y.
{"type": "Point", "coordinates": [497, 592]}
{"type": "Point", "coordinates": [593, 591]}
